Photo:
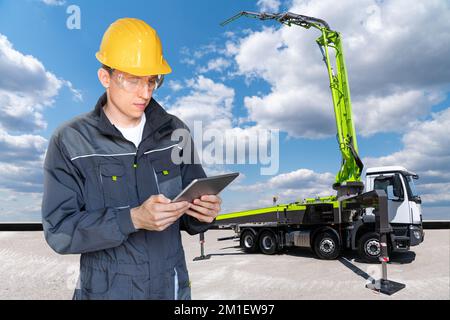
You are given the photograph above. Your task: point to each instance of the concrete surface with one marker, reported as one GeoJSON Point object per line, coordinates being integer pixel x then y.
{"type": "Point", "coordinates": [29, 269]}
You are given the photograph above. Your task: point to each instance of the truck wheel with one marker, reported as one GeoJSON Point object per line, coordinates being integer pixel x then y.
{"type": "Point", "coordinates": [326, 246]}
{"type": "Point", "coordinates": [369, 247]}
{"type": "Point", "coordinates": [248, 241]}
{"type": "Point", "coordinates": [268, 243]}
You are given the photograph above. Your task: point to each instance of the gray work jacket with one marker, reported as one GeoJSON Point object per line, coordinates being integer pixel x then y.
{"type": "Point", "coordinates": [92, 177]}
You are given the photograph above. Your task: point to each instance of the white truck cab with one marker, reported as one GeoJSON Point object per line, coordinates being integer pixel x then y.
{"type": "Point", "coordinates": [404, 203]}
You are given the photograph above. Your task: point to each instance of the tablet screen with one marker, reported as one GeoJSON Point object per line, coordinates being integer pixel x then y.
{"type": "Point", "coordinates": [205, 186]}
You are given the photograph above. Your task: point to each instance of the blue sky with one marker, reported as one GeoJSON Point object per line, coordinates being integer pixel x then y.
{"type": "Point", "coordinates": [248, 75]}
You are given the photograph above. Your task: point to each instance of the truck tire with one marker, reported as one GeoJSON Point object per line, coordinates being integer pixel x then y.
{"type": "Point", "coordinates": [327, 246]}
{"type": "Point", "coordinates": [268, 243]}
{"type": "Point", "coordinates": [369, 247]}
{"type": "Point", "coordinates": [249, 241]}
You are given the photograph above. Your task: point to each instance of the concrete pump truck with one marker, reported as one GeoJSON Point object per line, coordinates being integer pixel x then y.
{"type": "Point", "coordinates": [383, 212]}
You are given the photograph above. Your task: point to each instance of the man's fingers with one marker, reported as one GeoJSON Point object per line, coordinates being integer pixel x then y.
{"type": "Point", "coordinates": [205, 204]}
{"type": "Point", "coordinates": [181, 211]}
{"type": "Point", "coordinates": [162, 212]}
{"type": "Point", "coordinates": [164, 227]}
{"type": "Point", "coordinates": [163, 223]}
{"type": "Point", "coordinates": [171, 206]}
{"type": "Point", "coordinates": [211, 198]}
{"type": "Point", "coordinates": [160, 198]}
{"type": "Point", "coordinates": [169, 218]}
{"type": "Point", "coordinates": [178, 205]}
{"type": "Point", "coordinates": [199, 216]}
{"type": "Point", "coordinates": [205, 211]}
{"type": "Point", "coordinates": [162, 215]}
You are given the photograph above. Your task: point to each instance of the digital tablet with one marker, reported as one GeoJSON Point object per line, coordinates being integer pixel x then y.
{"type": "Point", "coordinates": [205, 186]}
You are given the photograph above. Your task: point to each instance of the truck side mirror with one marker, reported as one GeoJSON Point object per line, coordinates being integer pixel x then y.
{"type": "Point", "coordinates": [390, 194]}
{"type": "Point", "coordinates": [417, 199]}
{"type": "Point", "coordinates": [274, 200]}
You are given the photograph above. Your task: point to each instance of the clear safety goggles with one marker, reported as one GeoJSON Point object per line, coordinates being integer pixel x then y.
{"type": "Point", "coordinates": [133, 84]}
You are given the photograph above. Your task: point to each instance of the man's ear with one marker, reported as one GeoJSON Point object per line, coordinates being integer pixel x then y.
{"type": "Point", "coordinates": [104, 77]}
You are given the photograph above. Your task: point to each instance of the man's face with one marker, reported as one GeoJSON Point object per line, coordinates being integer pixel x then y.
{"type": "Point", "coordinates": [130, 94]}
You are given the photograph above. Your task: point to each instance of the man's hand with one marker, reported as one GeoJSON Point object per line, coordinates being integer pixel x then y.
{"type": "Point", "coordinates": [157, 213]}
{"type": "Point", "coordinates": [205, 209]}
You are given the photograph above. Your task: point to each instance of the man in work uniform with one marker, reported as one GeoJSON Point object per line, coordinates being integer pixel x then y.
{"type": "Point", "coordinates": [109, 176]}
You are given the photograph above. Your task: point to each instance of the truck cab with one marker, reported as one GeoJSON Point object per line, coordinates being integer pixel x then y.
{"type": "Point", "coordinates": [404, 204]}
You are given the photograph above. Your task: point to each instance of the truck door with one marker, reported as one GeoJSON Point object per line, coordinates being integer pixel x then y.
{"type": "Point", "coordinates": [398, 205]}
{"type": "Point", "coordinates": [414, 199]}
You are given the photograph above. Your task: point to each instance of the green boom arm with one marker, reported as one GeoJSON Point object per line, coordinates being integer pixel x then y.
{"type": "Point", "coordinates": [352, 165]}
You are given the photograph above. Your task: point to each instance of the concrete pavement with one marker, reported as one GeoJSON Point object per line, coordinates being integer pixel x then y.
{"type": "Point", "coordinates": [29, 269]}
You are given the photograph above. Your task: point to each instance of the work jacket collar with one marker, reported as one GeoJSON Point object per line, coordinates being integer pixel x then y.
{"type": "Point", "coordinates": [157, 119]}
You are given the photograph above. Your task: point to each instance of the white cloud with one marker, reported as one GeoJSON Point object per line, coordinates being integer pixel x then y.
{"type": "Point", "coordinates": [77, 96]}
{"type": "Point", "coordinates": [396, 68]}
{"type": "Point", "coordinates": [20, 113]}
{"type": "Point", "coordinates": [394, 112]}
{"type": "Point", "coordinates": [21, 169]}
{"type": "Point", "coordinates": [26, 88]}
{"type": "Point", "coordinates": [301, 178]}
{"type": "Point", "coordinates": [175, 85]}
{"type": "Point", "coordinates": [426, 150]}
{"type": "Point", "coordinates": [22, 177]}
{"type": "Point", "coordinates": [207, 110]}
{"type": "Point", "coordinates": [302, 112]}
{"type": "Point", "coordinates": [208, 101]}
{"type": "Point", "coordinates": [28, 202]}
{"type": "Point", "coordinates": [54, 2]}
{"type": "Point", "coordinates": [304, 181]}
{"type": "Point", "coordinates": [188, 61]}
{"type": "Point", "coordinates": [268, 5]}
{"type": "Point", "coordinates": [217, 64]}
{"type": "Point", "coordinates": [191, 56]}
{"type": "Point", "coordinates": [21, 163]}
{"type": "Point", "coordinates": [288, 187]}
{"type": "Point", "coordinates": [24, 74]}
{"type": "Point", "coordinates": [435, 193]}
{"type": "Point", "coordinates": [21, 148]}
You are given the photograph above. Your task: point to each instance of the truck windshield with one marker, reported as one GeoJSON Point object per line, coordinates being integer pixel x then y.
{"type": "Point", "coordinates": [412, 191]}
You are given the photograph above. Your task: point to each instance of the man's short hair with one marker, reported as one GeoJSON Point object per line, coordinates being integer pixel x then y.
{"type": "Point", "coordinates": [110, 70]}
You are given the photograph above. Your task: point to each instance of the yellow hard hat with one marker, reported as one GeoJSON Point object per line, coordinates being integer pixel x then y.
{"type": "Point", "coordinates": [131, 45]}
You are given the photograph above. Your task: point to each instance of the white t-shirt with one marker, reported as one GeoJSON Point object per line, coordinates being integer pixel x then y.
{"type": "Point", "coordinates": [134, 134]}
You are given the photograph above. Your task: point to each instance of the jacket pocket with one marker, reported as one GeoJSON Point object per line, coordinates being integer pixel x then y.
{"type": "Point", "coordinates": [121, 287]}
{"type": "Point", "coordinates": [114, 184]}
{"type": "Point", "coordinates": [104, 284]}
{"type": "Point", "coordinates": [168, 177]}
{"type": "Point", "coordinates": [94, 284]}
{"type": "Point", "coordinates": [140, 288]}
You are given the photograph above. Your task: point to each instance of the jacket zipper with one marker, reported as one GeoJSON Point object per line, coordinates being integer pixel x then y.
{"type": "Point", "coordinates": [156, 180]}
{"type": "Point", "coordinates": [135, 174]}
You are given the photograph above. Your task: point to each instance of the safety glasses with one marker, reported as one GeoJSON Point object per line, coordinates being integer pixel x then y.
{"type": "Point", "coordinates": [133, 84]}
